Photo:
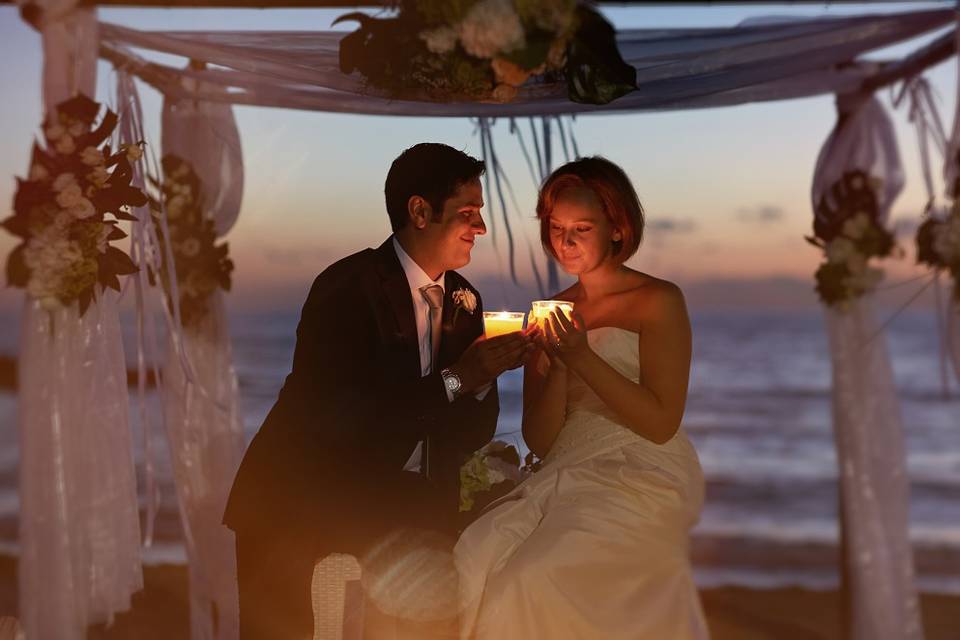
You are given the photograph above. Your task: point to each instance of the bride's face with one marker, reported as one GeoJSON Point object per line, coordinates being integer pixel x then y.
{"type": "Point", "coordinates": [580, 233]}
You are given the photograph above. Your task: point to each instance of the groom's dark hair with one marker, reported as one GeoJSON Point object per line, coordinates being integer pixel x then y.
{"type": "Point", "coordinates": [430, 170]}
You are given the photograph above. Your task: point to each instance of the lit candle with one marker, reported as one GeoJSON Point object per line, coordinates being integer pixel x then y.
{"type": "Point", "coordinates": [542, 308]}
{"type": "Point", "coordinates": [497, 323]}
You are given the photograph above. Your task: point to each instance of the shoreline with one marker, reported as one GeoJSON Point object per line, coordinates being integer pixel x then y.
{"type": "Point", "coordinates": [160, 611]}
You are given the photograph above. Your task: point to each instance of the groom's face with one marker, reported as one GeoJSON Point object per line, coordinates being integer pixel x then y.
{"type": "Point", "coordinates": [452, 234]}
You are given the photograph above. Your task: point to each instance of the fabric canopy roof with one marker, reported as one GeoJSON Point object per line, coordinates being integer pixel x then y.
{"type": "Point", "coordinates": [758, 60]}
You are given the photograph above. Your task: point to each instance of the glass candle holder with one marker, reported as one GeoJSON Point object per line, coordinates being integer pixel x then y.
{"type": "Point", "coordinates": [498, 323]}
{"type": "Point", "coordinates": [542, 308]}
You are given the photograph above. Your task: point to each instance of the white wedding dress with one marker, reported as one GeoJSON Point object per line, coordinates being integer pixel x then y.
{"type": "Point", "coordinates": [595, 544]}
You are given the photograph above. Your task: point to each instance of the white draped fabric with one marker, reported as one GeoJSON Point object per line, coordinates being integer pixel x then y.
{"type": "Point", "coordinates": [79, 524]}
{"type": "Point", "coordinates": [676, 68]}
{"type": "Point", "coordinates": [203, 421]}
{"type": "Point", "coordinates": [874, 486]}
{"type": "Point", "coordinates": [79, 527]}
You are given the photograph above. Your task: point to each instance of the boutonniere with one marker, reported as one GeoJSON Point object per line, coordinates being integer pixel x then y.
{"type": "Point", "coordinates": [464, 299]}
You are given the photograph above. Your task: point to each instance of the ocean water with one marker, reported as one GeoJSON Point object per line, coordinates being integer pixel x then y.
{"type": "Point", "coordinates": [758, 413]}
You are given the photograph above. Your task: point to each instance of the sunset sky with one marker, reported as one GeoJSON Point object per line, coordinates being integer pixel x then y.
{"type": "Point", "coordinates": [726, 190]}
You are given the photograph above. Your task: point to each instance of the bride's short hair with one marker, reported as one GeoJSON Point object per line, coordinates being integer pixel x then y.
{"type": "Point", "coordinates": [613, 190]}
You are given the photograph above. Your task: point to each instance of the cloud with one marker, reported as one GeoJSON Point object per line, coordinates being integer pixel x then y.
{"type": "Point", "coordinates": [671, 225]}
{"type": "Point", "coordinates": [761, 213]}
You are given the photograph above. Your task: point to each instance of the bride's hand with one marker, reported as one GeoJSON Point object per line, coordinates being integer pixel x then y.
{"type": "Point", "coordinates": [566, 337]}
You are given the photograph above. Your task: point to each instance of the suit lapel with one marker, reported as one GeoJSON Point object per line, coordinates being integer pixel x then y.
{"type": "Point", "coordinates": [453, 338]}
{"type": "Point", "coordinates": [396, 290]}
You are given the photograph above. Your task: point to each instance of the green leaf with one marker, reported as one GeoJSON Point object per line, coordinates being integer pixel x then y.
{"type": "Point", "coordinates": [17, 225]}
{"type": "Point", "coordinates": [85, 298]}
{"type": "Point", "coordinates": [596, 72]}
{"type": "Point", "coordinates": [101, 133]}
{"type": "Point", "coordinates": [116, 233]}
{"type": "Point", "coordinates": [119, 262]}
{"type": "Point", "coordinates": [18, 274]}
{"type": "Point", "coordinates": [110, 280]}
{"type": "Point", "coordinates": [814, 241]}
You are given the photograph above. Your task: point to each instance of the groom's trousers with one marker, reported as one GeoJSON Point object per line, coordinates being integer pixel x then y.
{"type": "Point", "coordinates": [274, 576]}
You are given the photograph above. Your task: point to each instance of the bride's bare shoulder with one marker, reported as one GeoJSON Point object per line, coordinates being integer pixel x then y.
{"type": "Point", "coordinates": [652, 300]}
{"type": "Point", "coordinates": [570, 293]}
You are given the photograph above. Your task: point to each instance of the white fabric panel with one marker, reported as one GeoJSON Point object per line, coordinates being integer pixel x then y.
{"type": "Point", "coordinates": [866, 141]}
{"type": "Point", "coordinates": [204, 428]}
{"type": "Point", "coordinates": [79, 521]}
{"type": "Point", "coordinates": [867, 422]}
{"type": "Point", "coordinates": [79, 526]}
{"type": "Point", "coordinates": [676, 68]}
{"type": "Point", "coordinates": [203, 421]}
{"type": "Point", "coordinates": [205, 134]}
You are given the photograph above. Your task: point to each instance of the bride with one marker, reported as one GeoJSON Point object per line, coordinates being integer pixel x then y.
{"type": "Point", "coordinates": [595, 544]}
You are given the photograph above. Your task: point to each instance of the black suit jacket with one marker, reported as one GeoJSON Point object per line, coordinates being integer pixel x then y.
{"type": "Point", "coordinates": [326, 466]}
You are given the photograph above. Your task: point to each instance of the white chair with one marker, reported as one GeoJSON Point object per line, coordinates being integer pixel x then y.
{"type": "Point", "coordinates": [329, 590]}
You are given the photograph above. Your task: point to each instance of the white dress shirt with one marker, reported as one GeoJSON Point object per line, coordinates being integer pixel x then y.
{"type": "Point", "coordinates": [417, 279]}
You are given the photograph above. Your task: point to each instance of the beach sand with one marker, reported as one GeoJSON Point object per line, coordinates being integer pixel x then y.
{"type": "Point", "coordinates": [160, 611]}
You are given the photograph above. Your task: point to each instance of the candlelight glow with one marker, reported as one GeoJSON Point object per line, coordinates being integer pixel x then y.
{"type": "Point", "coordinates": [498, 323]}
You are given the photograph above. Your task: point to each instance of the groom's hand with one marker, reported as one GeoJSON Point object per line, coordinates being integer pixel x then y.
{"type": "Point", "coordinates": [486, 359]}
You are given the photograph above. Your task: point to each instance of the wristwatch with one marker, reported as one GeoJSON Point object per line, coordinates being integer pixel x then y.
{"type": "Point", "coordinates": [451, 381]}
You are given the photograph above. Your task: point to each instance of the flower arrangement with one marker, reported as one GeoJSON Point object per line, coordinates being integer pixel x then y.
{"type": "Point", "coordinates": [938, 244]}
{"type": "Point", "coordinates": [60, 209]}
{"type": "Point", "coordinates": [490, 474]}
{"type": "Point", "coordinates": [202, 265]}
{"type": "Point", "coordinates": [848, 230]}
{"type": "Point", "coordinates": [446, 50]}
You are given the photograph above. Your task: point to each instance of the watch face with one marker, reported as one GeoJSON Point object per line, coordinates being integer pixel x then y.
{"type": "Point", "coordinates": [452, 382]}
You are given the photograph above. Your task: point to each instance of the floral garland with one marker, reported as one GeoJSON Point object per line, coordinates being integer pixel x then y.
{"type": "Point", "coordinates": [938, 240]}
{"type": "Point", "coordinates": [59, 211]}
{"type": "Point", "coordinates": [850, 234]}
{"type": "Point", "coordinates": [448, 50]}
{"type": "Point", "coordinates": [202, 266]}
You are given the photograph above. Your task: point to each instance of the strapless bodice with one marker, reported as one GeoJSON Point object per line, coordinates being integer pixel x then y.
{"type": "Point", "coordinates": [620, 349]}
{"type": "Point", "coordinates": [591, 426]}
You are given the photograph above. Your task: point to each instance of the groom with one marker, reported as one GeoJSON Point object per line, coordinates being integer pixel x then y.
{"type": "Point", "coordinates": [387, 365]}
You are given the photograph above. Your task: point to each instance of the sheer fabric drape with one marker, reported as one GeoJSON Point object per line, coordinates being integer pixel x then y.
{"type": "Point", "coordinates": [867, 423]}
{"type": "Point", "coordinates": [79, 525]}
{"type": "Point", "coordinates": [203, 420]}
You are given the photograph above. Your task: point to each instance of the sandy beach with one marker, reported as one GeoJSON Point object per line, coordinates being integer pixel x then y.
{"type": "Point", "coordinates": [734, 613]}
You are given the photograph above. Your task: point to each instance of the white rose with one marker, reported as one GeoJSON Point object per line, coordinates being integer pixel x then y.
{"type": "Point", "coordinates": [856, 226]}
{"type": "Point", "coordinates": [840, 249]}
{"type": "Point", "coordinates": [65, 145]}
{"type": "Point", "coordinates": [38, 172]}
{"type": "Point", "coordinates": [856, 263]}
{"type": "Point", "coordinates": [190, 247]}
{"type": "Point", "coordinates": [491, 27]}
{"type": "Point", "coordinates": [70, 196]}
{"type": "Point", "coordinates": [440, 40]}
{"type": "Point", "coordinates": [62, 220]}
{"type": "Point", "coordinates": [63, 181]}
{"type": "Point", "coordinates": [175, 207]}
{"type": "Point", "coordinates": [82, 209]}
{"type": "Point", "coordinates": [99, 176]}
{"type": "Point", "coordinates": [134, 152]}
{"type": "Point", "coordinates": [91, 156]}
{"type": "Point", "coordinates": [54, 132]}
